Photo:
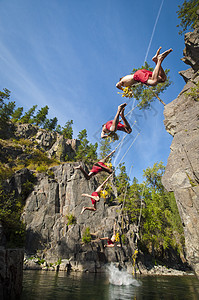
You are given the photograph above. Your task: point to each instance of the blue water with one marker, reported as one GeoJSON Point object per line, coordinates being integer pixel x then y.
{"type": "Point", "coordinates": [49, 285]}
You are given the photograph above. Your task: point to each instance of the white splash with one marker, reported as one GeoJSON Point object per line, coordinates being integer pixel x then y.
{"type": "Point", "coordinates": [117, 277]}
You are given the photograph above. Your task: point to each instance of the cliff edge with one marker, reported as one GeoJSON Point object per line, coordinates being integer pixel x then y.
{"type": "Point", "coordinates": [182, 170]}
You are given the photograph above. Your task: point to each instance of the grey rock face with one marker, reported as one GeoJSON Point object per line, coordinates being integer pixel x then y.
{"type": "Point", "coordinates": [182, 170]}
{"type": "Point", "coordinates": [53, 143]}
{"type": "Point", "coordinates": [46, 215]}
{"type": "Point", "coordinates": [25, 130]}
{"type": "Point", "coordinates": [191, 51]}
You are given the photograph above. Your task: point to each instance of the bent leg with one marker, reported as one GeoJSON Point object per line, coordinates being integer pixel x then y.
{"type": "Point", "coordinates": [127, 128]}
{"type": "Point", "coordinates": [116, 119]}
{"type": "Point", "coordinates": [158, 73]}
{"type": "Point", "coordinates": [161, 75]}
{"type": "Point", "coordinates": [86, 175]}
{"type": "Point", "coordinates": [87, 208]}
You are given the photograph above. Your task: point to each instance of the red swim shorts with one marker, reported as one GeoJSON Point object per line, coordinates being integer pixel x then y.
{"type": "Point", "coordinates": [110, 242]}
{"type": "Point", "coordinates": [94, 194]}
{"type": "Point", "coordinates": [109, 124]}
{"type": "Point", "coordinates": [97, 169]}
{"type": "Point", "coordinates": [142, 75]}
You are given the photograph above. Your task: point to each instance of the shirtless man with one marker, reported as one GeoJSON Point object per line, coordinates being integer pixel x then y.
{"type": "Point", "coordinates": [114, 125]}
{"type": "Point", "coordinates": [147, 77]}
{"type": "Point", "coordinates": [95, 197]}
{"type": "Point", "coordinates": [110, 239]}
{"type": "Point", "coordinates": [97, 167]}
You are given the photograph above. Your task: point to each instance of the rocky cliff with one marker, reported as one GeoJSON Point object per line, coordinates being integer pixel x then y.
{"type": "Point", "coordinates": [182, 170]}
{"type": "Point", "coordinates": [47, 211]}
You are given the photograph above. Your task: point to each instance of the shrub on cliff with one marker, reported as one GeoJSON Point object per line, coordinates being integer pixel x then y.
{"type": "Point", "coordinates": [86, 238]}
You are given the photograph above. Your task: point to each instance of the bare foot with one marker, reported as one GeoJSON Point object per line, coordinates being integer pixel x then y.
{"type": "Point", "coordinates": [83, 209]}
{"type": "Point", "coordinates": [122, 106]}
{"type": "Point", "coordinates": [162, 56]}
{"type": "Point", "coordinates": [78, 167]}
{"type": "Point", "coordinates": [155, 58]}
{"type": "Point", "coordinates": [122, 113]}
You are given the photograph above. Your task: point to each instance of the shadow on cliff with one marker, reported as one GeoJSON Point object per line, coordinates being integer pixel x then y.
{"type": "Point", "coordinates": [34, 241]}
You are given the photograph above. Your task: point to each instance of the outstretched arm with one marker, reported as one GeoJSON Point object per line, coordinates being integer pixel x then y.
{"type": "Point", "coordinates": [109, 155]}
{"type": "Point", "coordinates": [103, 183]}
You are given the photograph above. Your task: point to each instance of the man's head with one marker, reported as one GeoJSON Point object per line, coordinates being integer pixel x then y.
{"type": "Point", "coordinates": [119, 84]}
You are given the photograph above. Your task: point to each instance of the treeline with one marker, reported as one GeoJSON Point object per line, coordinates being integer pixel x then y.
{"type": "Point", "coordinates": [9, 112]}
{"type": "Point", "coordinates": [10, 115]}
{"type": "Point", "coordinates": [153, 210]}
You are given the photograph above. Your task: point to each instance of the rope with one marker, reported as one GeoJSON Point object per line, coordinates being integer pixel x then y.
{"type": "Point", "coordinates": [125, 199]}
{"type": "Point", "coordinates": [129, 148]}
{"type": "Point", "coordinates": [120, 144]}
{"type": "Point", "coordinates": [139, 220]}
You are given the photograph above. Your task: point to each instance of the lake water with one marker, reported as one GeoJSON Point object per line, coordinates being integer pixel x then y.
{"type": "Point", "coordinates": [49, 285]}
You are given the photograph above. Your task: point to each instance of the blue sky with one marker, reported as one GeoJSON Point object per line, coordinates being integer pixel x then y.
{"type": "Point", "coordinates": [70, 54]}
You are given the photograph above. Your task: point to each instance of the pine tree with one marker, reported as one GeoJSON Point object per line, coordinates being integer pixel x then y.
{"type": "Point", "coordinates": [40, 117]}
{"type": "Point", "coordinates": [86, 151]}
{"type": "Point", "coordinates": [28, 116]}
{"type": "Point", "coordinates": [16, 115]}
{"type": "Point", "coordinates": [67, 130]}
{"type": "Point", "coordinates": [50, 124]}
{"type": "Point", "coordinates": [187, 14]}
{"type": "Point", "coordinates": [105, 148]}
{"type": "Point", "coordinates": [6, 110]}
{"type": "Point", "coordinates": [122, 181]}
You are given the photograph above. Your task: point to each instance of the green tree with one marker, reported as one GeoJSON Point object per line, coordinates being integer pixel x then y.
{"type": "Point", "coordinates": [28, 116]}
{"type": "Point", "coordinates": [58, 129]}
{"type": "Point", "coordinates": [161, 227]}
{"type": "Point", "coordinates": [145, 94]}
{"type": "Point", "coordinates": [187, 15]}
{"type": "Point", "coordinates": [133, 200]}
{"type": "Point", "coordinates": [86, 151]}
{"type": "Point", "coordinates": [40, 117]}
{"type": "Point", "coordinates": [6, 110]}
{"type": "Point", "coordinates": [122, 182]}
{"type": "Point", "coordinates": [67, 130]}
{"type": "Point", "coordinates": [105, 148]}
{"type": "Point", "coordinates": [50, 124]}
{"type": "Point", "coordinates": [16, 115]}
{"type": "Point", "coordinates": [154, 175]}
{"type": "Point", "coordinates": [11, 207]}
